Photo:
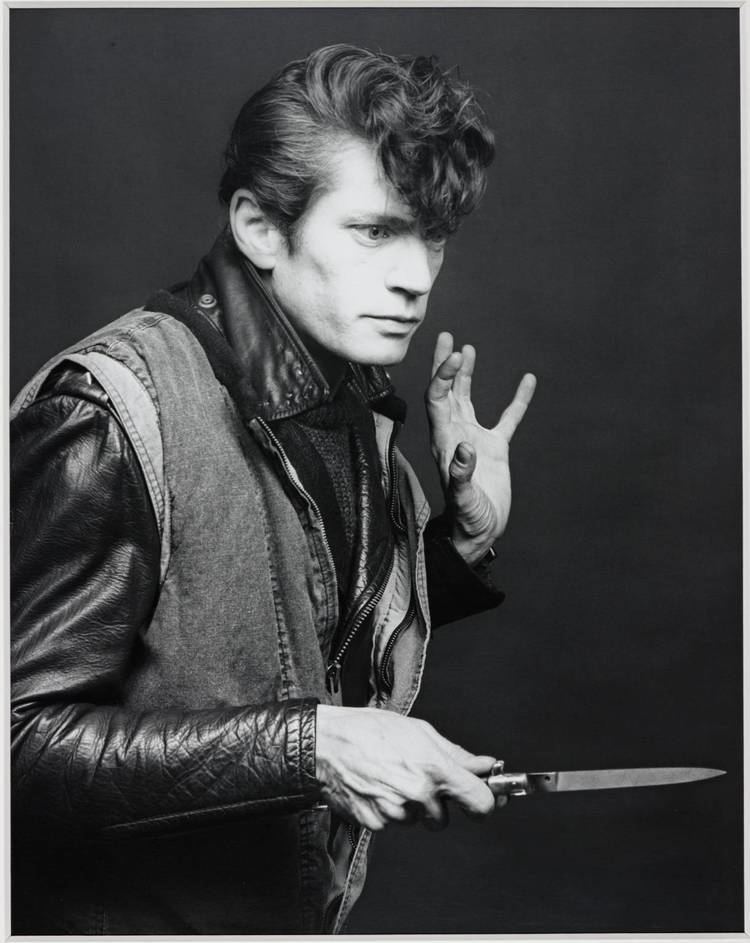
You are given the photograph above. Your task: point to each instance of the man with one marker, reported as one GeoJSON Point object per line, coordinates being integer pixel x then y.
{"type": "Point", "coordinates": [223, 573]}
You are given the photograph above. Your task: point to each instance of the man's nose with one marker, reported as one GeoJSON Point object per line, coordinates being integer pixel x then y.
{"type": "Point", "coordinates": [413, 268]}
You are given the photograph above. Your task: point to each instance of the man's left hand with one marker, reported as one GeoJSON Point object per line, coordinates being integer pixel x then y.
{"type": "Point", "coordinates": [472, 460]}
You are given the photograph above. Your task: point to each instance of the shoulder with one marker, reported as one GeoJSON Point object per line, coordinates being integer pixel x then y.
{"type": "Point", "coordinates": [68, 433]}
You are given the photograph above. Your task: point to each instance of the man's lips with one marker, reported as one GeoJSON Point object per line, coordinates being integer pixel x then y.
{"type": "Point", "coordinates": [403, 320]}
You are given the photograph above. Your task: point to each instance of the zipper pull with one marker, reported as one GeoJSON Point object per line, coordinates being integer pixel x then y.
{"type": "Point", "coordinates": [333, 677]}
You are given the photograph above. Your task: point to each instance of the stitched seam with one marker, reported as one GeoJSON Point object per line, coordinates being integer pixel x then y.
{"type": "Point", "coordinates": [347, 893]}
{"type": "Point", "coordinates": [34, 389]}
{"type": "Point", "coordinates": [284, 664]}
{"type": "Point", "coordinates": [308, 721]}
{"type": "Point", "coordinates": [307, 869]}
{"type": "Point", "coordinates": [417, 682]}
{"type": "Point", "coordinates": [211, 811]}
{"type": "Point", "coordinates": [151, 319]}
{"type": "Point", "coordinates": [420, 584]}
{"type": "Point", "coordinates": [294, 742]}
{"type": "Point", "coordinates": [150, 474]}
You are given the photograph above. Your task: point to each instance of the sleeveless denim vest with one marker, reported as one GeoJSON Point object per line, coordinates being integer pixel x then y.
{"type": "Point", "coordinates": [246, 605]}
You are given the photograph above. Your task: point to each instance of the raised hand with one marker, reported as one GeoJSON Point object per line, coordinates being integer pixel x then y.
{"type": "Point", "coordinates": [472, 460]}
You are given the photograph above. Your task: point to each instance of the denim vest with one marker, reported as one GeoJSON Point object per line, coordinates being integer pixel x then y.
{"type": "Point", "coordinates": [246, 608]}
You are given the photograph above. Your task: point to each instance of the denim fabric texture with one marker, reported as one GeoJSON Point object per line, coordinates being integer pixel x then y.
{"type": "Point", "coordinates": [247, 606]}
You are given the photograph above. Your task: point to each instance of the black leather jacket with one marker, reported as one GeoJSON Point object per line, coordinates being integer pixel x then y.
{"type": "Point", "coordinates": [85, 559]}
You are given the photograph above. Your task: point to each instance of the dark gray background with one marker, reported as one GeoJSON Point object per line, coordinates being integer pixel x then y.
{"type": "Point", "coordinates": [606, 259]}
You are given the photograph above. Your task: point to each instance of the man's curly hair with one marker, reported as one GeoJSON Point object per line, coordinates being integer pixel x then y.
{"type": "Point", "coordinates": [428, 130]}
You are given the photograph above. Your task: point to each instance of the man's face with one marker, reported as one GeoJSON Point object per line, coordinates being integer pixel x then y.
{"type": "Point", "coordinates": [356, 283]}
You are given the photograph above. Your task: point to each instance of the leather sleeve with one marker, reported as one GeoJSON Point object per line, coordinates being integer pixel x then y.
{"type": "Point", "coordinates": [455, 590]}
{"type": "Point", "coordinates": [84, 582]}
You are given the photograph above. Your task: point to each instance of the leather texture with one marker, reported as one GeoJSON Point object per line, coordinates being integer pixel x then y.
{"type": "Point", "coordinates": [72, 634]}
{"type": "Point", "coordinates": [97, 759]}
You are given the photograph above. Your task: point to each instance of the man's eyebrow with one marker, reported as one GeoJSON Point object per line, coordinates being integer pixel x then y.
{"type": "Point", "coordinates": [397, 221]}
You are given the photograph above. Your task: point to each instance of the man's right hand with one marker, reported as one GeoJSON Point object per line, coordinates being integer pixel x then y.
{"type": "Point", "coordinates": [378, 767]}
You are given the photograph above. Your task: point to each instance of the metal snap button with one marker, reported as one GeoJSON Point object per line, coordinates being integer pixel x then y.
{"type": "Point", "coordinates": [206, 301]}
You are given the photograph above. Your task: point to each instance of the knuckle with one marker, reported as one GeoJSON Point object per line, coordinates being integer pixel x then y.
{"type": "Point", "coordinates": [433, 772]}
{"type": "Point", "coordinates": [424, 796]}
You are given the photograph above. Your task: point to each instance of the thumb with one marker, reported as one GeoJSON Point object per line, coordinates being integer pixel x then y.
{"type": "Point", "coordinates": [462, 467]}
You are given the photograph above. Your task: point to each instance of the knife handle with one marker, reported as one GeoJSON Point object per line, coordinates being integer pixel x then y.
{"type": "Point", "coordinates": [507, 784]}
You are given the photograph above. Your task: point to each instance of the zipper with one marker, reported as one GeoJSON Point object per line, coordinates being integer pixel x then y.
{"type": "Point", "coordinates": [364, 833]}
{"type": "Point", "coordinates": [394, 507]}
{"type": "Point", "coordinates": [292, 475]}
{"type": "Point", "coordinates": [384, 673]}
{"type": "Point", "coordinates": [333, 673]}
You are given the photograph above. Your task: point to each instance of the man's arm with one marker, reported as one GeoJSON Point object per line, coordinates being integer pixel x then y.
{"type": "Point", "coordinates": [84, 581]}
{"type": "Point", "coordinates": [85, 565]}
{"type": "Point", "coordinates": [455, 590]}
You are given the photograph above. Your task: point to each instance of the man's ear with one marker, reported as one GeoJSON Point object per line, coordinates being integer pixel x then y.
{"type": "Point", "coordinates": [256, 236]}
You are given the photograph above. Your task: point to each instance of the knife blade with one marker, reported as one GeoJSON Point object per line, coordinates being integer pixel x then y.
{"type": "Point", "coordinates": [526, 784]}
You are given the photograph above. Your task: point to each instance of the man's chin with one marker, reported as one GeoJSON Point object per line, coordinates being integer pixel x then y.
{"type": "Point", "coordinates": [383, 353]}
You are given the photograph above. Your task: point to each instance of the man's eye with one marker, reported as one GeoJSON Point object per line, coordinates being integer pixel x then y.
{"type": "Point", "coordinates": [374, 232]}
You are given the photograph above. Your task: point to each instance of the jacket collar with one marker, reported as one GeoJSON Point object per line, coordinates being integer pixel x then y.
{"type": "Point", "coordinates": [278, 369]}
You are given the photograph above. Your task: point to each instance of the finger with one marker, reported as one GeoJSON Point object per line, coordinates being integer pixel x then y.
{"type": "Point", "coordinates": [370, 818]}
{"type": "Point", "coordinates": [395, 811]}
{"type": "Point", "coordinates": [508, 422]}
{"type": "Point", "coordinates": [500, 802]}
{"type": "Point", "coordinates": [461, 468]}
{"type": "Point", "coordinates": [443, 350]}
{"type": "Point", "coordinates": [469, 761]}
{"type": "Point", "coordinates": [472, 794]}
{"type": "Point", "coordinates": [440, 821]}
{"type": "Point", "coordinates": [462, 383]}
{"type": "Point", "coordinates": [479, 765]}
{"type": "Point", "coordinates": [435, 815]}
{"type": "Point", "coordinates": [457, 782]}
{"type": "Point", "coordinates": [442, 382]}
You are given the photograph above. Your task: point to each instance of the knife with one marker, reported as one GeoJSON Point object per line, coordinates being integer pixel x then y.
{"type": "Point", "coordinates": [526, 784]}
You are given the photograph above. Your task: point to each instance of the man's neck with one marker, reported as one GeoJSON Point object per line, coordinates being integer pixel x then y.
{"type": "Point", "coordinates": [331, 366]}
